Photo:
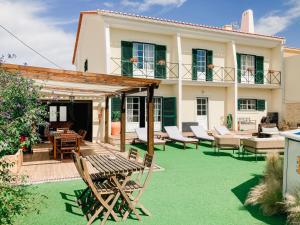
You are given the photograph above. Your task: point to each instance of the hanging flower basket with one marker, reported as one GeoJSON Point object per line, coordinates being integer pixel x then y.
{"type": "Point", "coordinates": [210, 66]}
{"type": "Point", "coordinates": [133, 60]}
{"type": "Point", "coordinates": [161, 62]}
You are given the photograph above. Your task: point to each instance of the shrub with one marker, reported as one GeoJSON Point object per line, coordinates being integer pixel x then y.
{"type": "Point", "coordinates": [268, 193]}
{"type": "Point", "coordinates": [16, 199]}
{"type": "Point", "coordinates": [21, 112]}
{"type": "Point", "coordinates": [292, 204]}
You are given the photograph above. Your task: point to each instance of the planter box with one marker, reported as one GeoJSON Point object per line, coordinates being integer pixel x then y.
{"type": "Point", "coordinates": [17, 159]}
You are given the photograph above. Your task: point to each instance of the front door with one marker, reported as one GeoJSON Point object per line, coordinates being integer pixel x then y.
{"type": "Point", "coordinates": [202, 112]}
{"type": "Point", "coordinates": [133, 113]}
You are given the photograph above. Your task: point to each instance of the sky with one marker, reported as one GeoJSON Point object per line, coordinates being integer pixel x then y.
{"type": "Point", "coordinates": [49, 26]}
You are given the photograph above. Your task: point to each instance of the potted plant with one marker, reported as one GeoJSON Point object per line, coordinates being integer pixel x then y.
{"type": "Point", "coordinates": [133, 60]}
{"type": "Point", "coordinates": [115, 124]}
{"type": "Point", "coordinates": [161, 62]}
{"type": "Point", "coordinates": [210, 66]}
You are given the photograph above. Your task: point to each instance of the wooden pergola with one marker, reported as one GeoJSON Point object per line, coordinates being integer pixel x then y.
{"type": "Point", "coordinates": [76, 83]}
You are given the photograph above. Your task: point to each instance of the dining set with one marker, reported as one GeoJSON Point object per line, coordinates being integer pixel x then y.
{"type": "Point", "coordinates": [114, 185]}
{"type": "Point", "coordinates": [64, 141]}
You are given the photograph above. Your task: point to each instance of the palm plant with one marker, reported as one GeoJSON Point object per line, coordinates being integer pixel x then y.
{"type": "Point", "coordinates": [268, 193]}
{"type": "Point", "coordinates": [292, 204]}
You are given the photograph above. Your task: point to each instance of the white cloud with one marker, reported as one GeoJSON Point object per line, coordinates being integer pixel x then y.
{"type": "Point", "coordinates": [108, 4]}
{"type": "Point", "coordinates": [278, 21]}
{"type": "Point", "coordinates": [23, 18]}
{"type": "Point", "coordinates": [145, 5]}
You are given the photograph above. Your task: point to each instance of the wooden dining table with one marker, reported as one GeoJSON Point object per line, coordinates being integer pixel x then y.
{"type": "Point", "coordinates": [111, 166]}
{"type": "Point", "coordinates": [55, 137]}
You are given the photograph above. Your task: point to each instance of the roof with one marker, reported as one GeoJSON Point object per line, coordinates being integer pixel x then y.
{"type": "Point", "coordinates": [67, 82]}
{"type": "Point", "coordinates": [163, 21]}
{"type": "Point", "coordinates": [292, 49]}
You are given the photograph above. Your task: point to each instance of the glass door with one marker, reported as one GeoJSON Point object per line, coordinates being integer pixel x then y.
{"type": "Point", "coordinates": [132, 113]}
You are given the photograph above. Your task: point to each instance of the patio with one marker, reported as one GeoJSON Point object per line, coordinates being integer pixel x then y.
{"type": "Point", "coordinates": [196, 187]}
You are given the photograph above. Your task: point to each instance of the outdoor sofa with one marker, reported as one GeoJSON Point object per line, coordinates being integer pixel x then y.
{"type": "Point", "coordinates": [261, 146]}
{"type": "Point", "coordinates": [225, 139]}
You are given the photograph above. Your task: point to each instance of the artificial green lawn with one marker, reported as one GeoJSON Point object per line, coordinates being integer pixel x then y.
{"type": "Point", "coordinates": [196, 187]}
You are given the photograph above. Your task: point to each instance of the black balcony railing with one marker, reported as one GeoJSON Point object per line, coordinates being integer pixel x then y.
{"type": "Point", "coordinates": [211, 73]}
{"type": "Point", "coordinates": [145, 69]}
{"type": "Point", "coordinates": [259, 77]}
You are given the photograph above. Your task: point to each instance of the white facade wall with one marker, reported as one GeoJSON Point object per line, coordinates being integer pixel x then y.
{"type": "Point", "coordinates": [222, 98]}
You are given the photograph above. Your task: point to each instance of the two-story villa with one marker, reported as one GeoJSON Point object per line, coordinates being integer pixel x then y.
{"type": "Point", "coordinates": [207, 72]}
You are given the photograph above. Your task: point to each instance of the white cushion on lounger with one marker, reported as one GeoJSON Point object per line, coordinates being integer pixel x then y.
{"type": "Point", "coordinates": [200, 133]}
{"type": "Point", "coordinates": [222, 130]}
{"type": "Point", "coordinates": [175, 134]}
{"type": "Point", "coordinates": [142, 135]}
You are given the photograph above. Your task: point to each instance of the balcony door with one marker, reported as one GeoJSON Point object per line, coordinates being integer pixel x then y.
{"type": "Point", "coordinates": [201, 65]}
{"type": "Point", "coordinates": [202, 112]}
{"type": "Point", "coordinates": [143, 55]}
{"type": "Point", "coordinates": [248, 69]}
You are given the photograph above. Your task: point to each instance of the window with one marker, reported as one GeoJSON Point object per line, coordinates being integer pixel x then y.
{"type": "Point", "coordinates": [53, 114]}
{"type": "Point", "coordinates": [144, 55]}
{"type": "Point", "coordinates": [201, 64]}
{"type": "Point", "coordinates": [247, 68]}
{"type": "Point", "coordinates": [157, 109]}
{"type": "Point", "coordinates": [58, 113]}
{"type": "Point", "coordinates": [201, 106]}
{"type": "Point", "coordinates": [247, 104]}
{"type": "Point", "coordinates": [133, 109]}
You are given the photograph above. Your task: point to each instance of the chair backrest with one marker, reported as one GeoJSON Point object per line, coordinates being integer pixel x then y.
{"type": "Point", "coordinates": [222, 130]}
{"type": "Point", "coordinates": [199, 131]}
{"type": "Point", "coordinates": [133, 154]}
{"type": "Point", "coordinates": [87, 175]}
{"type": "Point", "coordinates": [141, 133]}
{"type": "Point", "coordinates": [68, 139]}
{"type": "Point", "coordinates": [173, 132]}
{"type": "Point", "coordinates": [76, 160]}
{"type": "Point", "coordinates": [82, 133]}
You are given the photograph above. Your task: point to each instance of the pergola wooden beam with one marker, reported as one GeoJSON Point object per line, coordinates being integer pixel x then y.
{"type": "Point", "coordinates": [150, 120]}
{"type": "Point", "coordinates": [123, 123]}
{"type": "Point", "coordinates": [78, 77]}
{"type": "Point", "coordinates": [106, 135]}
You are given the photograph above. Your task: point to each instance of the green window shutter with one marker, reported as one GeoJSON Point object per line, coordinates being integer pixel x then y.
{"type": "Point", "coordinates": [239, 104]}
{"type": "Point", "coordinates": [160, 61]}
{"type": "Point", "coordinates": [209, 60]}
{"type": "Point", "coordinates": [238, 61]}
{"type": "Point", "coordinates": [169, 115]}
{"type": "Point", "coordinates": [126, 55]}
{"type": "Point", "coordinates": [260, 105]}
{"type": "Point", "coordinates": [115, 107]}
{"type": "Point", "coordinates": [194, 64]}
{"type": "Point", "coordinates": [259, 69]}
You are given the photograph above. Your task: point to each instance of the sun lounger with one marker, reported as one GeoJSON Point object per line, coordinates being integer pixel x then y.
{"type": "Point", "coordinates": [142, 137]}
{"type": "Point", "coordinates": [175, 135]}
{"type": "Point", "coordinates": [201, 134]}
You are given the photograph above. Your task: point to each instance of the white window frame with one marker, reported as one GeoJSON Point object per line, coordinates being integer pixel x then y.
{"type": "Point", "coordinates": [132, 113]}
{"type": "Point", "coordinates": [145, 55]}
{"type": "Point", "coordinates": [201, 110]}
{"type": "Point", "coordinates": [247, 68]}
{"type": "Point", "coordinates": [201, 64]}
{"type": "Point", "coordinates": [248, 104]}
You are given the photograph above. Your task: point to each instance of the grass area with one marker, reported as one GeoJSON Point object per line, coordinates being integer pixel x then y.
{"type": "Point", "coordinates": [197, 187]}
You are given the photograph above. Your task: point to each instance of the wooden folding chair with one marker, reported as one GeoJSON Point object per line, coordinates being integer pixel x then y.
{"type": "Point", "coordinates": [103, 192]}
{"type": "Point", "coordinates": [140, 186]}
{"type": "Point", "coordinates": [133, 154]}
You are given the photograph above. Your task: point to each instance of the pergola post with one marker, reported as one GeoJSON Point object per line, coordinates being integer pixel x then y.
{"type": "Point", "coordinates": [106, 136]}
{"type": "Point", "coordinates": [123, 123]}
{"type": "Point", "coordinates": [150, 120]}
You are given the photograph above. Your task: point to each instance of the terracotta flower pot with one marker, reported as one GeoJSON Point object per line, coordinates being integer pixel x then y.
{"type": "Point", "coordinates": [115, 128]}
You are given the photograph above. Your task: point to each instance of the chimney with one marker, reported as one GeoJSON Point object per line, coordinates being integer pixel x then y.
{"type": "Point", "coordinates": [247, 23]}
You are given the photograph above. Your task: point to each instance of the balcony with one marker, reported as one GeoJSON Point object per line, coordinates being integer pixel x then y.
{"type": "Point", "coordinates": [267, 77]}
{"type": "Point", "coordinates": [158, 70]}
{"type": "Point", "coordinates": [212, 73]}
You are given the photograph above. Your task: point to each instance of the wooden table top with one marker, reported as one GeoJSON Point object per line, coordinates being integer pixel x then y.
{"type": "Point", "coordinates": [113, 164]}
